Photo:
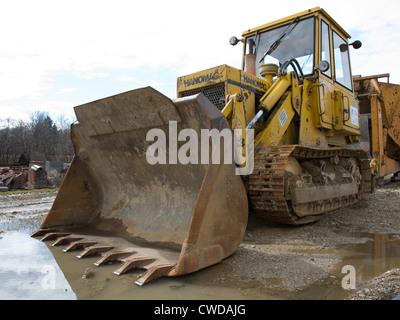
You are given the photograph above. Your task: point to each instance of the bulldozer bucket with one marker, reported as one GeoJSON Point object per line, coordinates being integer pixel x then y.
{"type": "Point", "coordinates": [168, 218]}
{"type": "Point", "coordinates": [391, 102]}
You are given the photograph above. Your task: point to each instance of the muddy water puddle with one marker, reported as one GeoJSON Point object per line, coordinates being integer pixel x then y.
{"type": "Point", "coordinates": [101, 283]}
{"type": "Point", "coordinates": [360, 263]}
{"type": "Point", "coordinates": [28, 270]}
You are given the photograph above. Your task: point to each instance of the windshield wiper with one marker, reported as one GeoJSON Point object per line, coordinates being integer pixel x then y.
{"type": "Point", "coordinates": [281, 37]}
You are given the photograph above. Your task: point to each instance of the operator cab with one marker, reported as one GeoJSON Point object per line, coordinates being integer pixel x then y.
{"type": "Point", "coordinates": [300, 43]}
{"type": "Point", "coordinates": [315, 47]}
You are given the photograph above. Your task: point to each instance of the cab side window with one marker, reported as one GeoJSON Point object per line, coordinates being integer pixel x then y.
{"type": "Point", "coordinates": [342, 61]}
{"type": "Point", "coordinates": [326, 47]}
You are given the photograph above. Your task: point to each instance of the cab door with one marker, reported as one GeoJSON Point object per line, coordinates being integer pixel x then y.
{"type": "Point", "coordinates": [346, 106]}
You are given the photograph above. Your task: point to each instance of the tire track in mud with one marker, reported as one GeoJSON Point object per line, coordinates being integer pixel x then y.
{"type": "Point", "coordinates": [24, 211]}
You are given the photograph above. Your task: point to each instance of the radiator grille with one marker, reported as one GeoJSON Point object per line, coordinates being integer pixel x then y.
{"type": "Point", "coordinates": [215, 93]}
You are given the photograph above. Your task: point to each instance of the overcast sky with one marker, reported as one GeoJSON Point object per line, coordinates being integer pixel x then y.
{"type": "Point", "coordinates": [57, 54]}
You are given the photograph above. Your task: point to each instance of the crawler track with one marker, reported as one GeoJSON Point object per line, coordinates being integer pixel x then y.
{"type": "Point", "coordinates": [269, 192]}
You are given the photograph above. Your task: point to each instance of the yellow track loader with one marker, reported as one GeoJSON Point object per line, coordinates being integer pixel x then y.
{"type": "Point", "coordinates": [150, 186]}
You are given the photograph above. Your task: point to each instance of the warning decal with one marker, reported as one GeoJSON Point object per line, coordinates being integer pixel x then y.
{"type": "Point", "coordinates": [354, 116]}
{"type": "Point", "coordinates": [283, 117]}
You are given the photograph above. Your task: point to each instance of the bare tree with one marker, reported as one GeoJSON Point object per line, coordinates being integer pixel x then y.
{"type": "Point", "coordinates": [41, 134]}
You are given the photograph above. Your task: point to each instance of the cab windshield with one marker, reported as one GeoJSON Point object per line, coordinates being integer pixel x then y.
{"type": "Point", "coordinates": [293, 40]}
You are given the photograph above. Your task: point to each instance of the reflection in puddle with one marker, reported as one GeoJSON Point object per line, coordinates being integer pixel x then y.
{"type": "Point", "coordinates": [29, 271]}
{"type": "Point", "coordinates": [375, 257]}
{"type": "Point", "coordinates": [385, 252]}
{"type": "Point", "coordinates": [370, 259]}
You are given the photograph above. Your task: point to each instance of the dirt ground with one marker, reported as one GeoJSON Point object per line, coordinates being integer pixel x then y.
{"type": "Point", "coordinates": [292, 262]}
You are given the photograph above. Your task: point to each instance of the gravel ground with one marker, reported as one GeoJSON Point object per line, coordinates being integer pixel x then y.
{"type": "Point", "coordinates": [384, 287]}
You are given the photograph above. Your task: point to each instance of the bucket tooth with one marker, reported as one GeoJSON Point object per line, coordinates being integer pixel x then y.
{"type": "Point", "coordinates": [111, 257]}
{"type": "Point", "coordinates": [41, 232]}
{"type": "Point", "coordinates": [94, 250]}
{"type": "Point", "coordinates": [153, 273]}
{"type": "Point", "coordinates": [79, 245]}
{"type": "Point", "coordinates": [54, 235]}
{"type": "Point", "coordinates": [132, 264]}
{"type": "Point", "coordinates": [65, 240]}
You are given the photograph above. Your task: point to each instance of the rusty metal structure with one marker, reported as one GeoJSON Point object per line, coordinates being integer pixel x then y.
{"type": "Point", "coordinates": [380, 123]}
{"type": "Point", "coordinates": [32, 175]}
{"type": "Point", "coordinates": [13, 179]}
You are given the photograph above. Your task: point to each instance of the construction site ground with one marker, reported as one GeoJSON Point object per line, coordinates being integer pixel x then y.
{"type": "Point", "coordinates": [273, 261]}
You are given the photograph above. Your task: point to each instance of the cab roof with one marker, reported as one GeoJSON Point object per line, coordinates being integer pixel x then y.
{"type": "Point", "coordinates": [304, 14]}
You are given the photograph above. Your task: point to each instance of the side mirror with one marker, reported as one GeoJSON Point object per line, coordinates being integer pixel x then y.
{"type": "Point", "coordinates": [356, 45]}
{"type": "Point", "coordinates": [343, 47]}
{"type": "Point", "coordinates": [323, 66]}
